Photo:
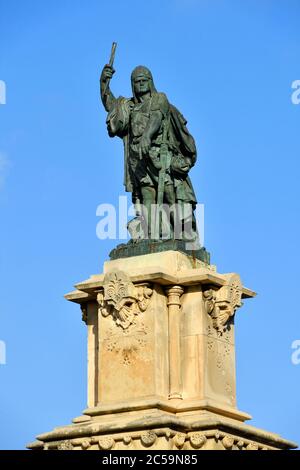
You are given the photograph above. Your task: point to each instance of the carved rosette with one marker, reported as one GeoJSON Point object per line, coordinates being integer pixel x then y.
{"type": "Point", "coordinates": [148, 438]}
{"type": "Point", "coordinates": [65, 445]}
{"type": "Point", "coordinates": [122, 299]}
{"type": "Point", "coordinates": [198, 440]}
{"type": "Point", "coordinates": [106, 443]}
{"type": "Point", "coordinates": [222, 304]}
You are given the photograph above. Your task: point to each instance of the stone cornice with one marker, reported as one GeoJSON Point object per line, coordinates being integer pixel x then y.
{"type": "Point", "coordinates": [87, 290]}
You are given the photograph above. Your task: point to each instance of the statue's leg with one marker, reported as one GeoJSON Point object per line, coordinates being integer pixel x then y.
{"type": "Point", "coordinates": [169, 194]}
{"type": "Point", "coordinates": [136, 200]}
{"type": "Point", "coordinates": [189, 226]}
{"type": "Point", "coordinates": [149, 198]}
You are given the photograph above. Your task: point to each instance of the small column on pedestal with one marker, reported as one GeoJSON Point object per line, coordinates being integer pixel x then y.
{"type": "Point", "coordinates": [174, 305]}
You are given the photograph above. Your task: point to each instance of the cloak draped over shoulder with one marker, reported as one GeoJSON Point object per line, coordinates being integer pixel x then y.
{"type": "Point", "coordinates": [180, 141]}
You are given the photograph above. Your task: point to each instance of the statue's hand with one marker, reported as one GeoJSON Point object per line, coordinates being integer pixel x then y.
{"type": "Point", "coordinates": [145, 145]}
{"type": "Point", "coordinates": [107, 73]}
{"type": "Point", "coordinates": [181, 165]}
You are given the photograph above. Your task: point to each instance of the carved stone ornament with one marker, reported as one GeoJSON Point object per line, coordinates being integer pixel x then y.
{"type": "Point", "coordinates": [85, 444]}
{"type": "Point", "coordinates": [197, 440]}
{"type": "Point", "coordinates": [106, 443]}
{"type": "Point", "coordinates": [84, 313]}
{"type": "Point", "coordinates": [122, 299]}
{"type": "Point", "coordinates": [222, 304]}
{"type": "Point", "coordinates": [228, 442]}
{"type": "Point", "coordinates": [179, 439]}
{"type": "Point", "coordinates": [252, 446]}
{"type": "Point", "coordinates": [65, 445]}
{"type": "Point", "coordinates": [127, 440]}
{"type": "Point", "coordinates": [148, 438]}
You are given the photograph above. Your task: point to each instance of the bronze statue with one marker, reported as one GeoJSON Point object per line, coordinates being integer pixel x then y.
{"type": "Point", "coordinates": [159, 151]}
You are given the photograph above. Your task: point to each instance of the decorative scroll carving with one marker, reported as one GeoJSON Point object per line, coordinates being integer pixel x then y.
{"type": "Point", "coordinates": [222, 304]}
{"type": "Point", "coordinates": [122, 299]}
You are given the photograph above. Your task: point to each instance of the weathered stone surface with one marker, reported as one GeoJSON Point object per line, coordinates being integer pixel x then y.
{"type": "Point", "coordinates": [161, 431]}
{"type": "Point", "coordinates": [161, 360]}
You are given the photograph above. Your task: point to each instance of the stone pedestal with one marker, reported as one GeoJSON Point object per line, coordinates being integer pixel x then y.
{"type": "Point", "coordinates": [161, 360]}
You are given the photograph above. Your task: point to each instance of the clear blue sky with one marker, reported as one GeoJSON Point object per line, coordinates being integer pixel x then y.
{"type": "Point", "coordinates": [228, 66]}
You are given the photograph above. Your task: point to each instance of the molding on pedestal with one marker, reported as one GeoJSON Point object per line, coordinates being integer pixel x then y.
{"type": "Point", "coordinates": [161, 431]}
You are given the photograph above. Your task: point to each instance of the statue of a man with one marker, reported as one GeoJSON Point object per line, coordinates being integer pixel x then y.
{"type": "Point", "coordinates": [148, 123]}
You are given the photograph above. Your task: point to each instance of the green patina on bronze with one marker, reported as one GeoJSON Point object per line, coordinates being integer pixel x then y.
{"type": "Point", "coordinates": [159, 152]}
{"type": "Point", "coordinates": [144, 247]}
